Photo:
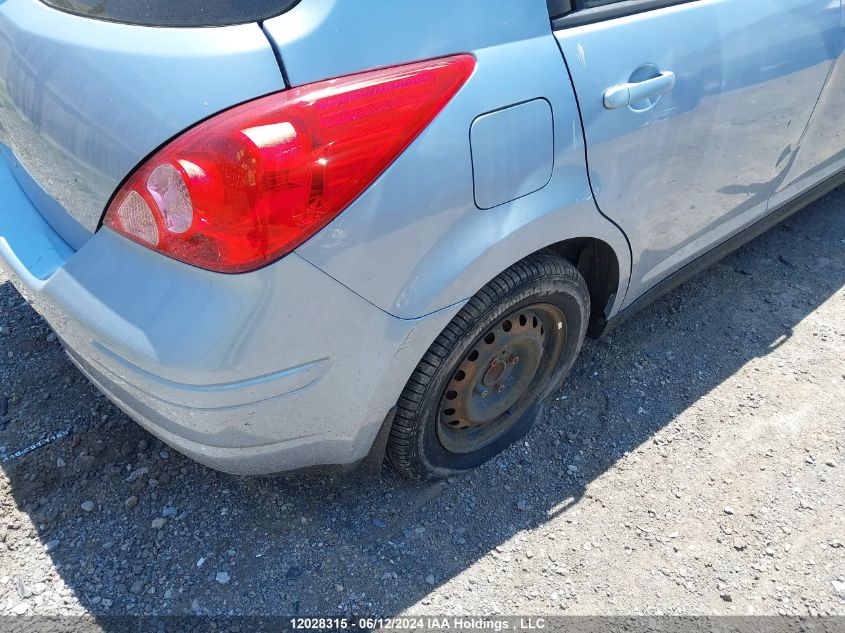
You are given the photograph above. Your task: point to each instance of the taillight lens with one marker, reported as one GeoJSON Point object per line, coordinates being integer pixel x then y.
{"type": "Point", "coordinates": [249, 185]}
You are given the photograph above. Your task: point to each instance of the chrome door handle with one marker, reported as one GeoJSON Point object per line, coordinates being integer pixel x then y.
{"type": "Point", "coordinates": [626, 94]}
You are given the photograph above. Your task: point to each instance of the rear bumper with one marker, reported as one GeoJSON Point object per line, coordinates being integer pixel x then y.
{"type": "Point", "coordinates": [277, 369]}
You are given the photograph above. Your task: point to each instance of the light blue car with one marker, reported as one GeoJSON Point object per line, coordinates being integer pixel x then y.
{"type": "Point", "coordinates": [282, 234]}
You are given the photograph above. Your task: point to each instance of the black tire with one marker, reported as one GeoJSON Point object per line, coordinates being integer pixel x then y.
{"type": "Point", "coordinates": [539, 307]}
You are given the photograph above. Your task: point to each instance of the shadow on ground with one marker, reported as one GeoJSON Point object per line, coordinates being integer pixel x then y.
{"type": "Point", "coordinates": [299, 545]}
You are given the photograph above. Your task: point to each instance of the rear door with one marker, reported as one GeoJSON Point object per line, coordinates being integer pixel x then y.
{"type": "Point", "coordinates": [692, 110]}
{"type": "Point", "coordinates": [821, 152]}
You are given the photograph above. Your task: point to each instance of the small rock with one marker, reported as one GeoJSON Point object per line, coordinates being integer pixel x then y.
{"type": "Point", "coordinates": [838, 587]}
{"type": "Point", "coordinates": [88, 506]}
{"type": "Point", "coordinates": [138, 472]}
{"type": "Point", "coordinates": [20, 608]}
{"type": "Point", "coordinates": [379, 523]}
{"type": "Point", "coordinates": [429, 580]}
{"type": "Point", "coordinates": [222, 577]}
{"type": "Point", "coordinates": [726, 597]}
{"type": "Point", "coordinates": [37, 589]}
{"type": "Point", "coordinates": [201, 561]}
{"type": "Point", "coordinates": [522, 505]}
{"type": "Point", "coordinates": [137, 586]}
{"type": "Point", "coordinates": [51, 337]}
{"type": "Point", "coordinates": [5, 330]}
{"type": "Point", "coordinates": [157, 524]}
{"type": "Point", "coordinates": [106, 602]}
{"type": "Point", "coordinates": [60, 463]}
{"type": "Point", "coordinates": [49, 546]}
{"type": "Point", "coordinates": [338, 588]}
{"type": "Point", "coordinates": [164, 453]}
{"type": "Point", "coordinates": [131, 502]}
{"type": "Point", "coordinates": [169, 511]}
{"type": "Point", "coordinates": [729, 510]}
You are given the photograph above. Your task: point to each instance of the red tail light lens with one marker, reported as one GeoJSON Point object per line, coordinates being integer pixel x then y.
{"type": "Point", "coordinates": [251, 184]}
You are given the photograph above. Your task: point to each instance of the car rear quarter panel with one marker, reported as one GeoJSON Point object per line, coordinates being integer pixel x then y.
{"type": "Point", "coordinates": [415, 241]}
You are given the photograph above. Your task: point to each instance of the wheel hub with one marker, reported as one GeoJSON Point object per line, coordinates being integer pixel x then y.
{"type": "Point", "coordinates": [496, 370]}
{"type": "Point", "coordinates": [494, 380]}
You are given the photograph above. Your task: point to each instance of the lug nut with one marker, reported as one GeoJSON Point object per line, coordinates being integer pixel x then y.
{"type": "Point", "coordinates": [514, 359]}
{"type": "Point", "coordinates": [500, 388]}
{"type": "Point", "coordinates": [481, 391]}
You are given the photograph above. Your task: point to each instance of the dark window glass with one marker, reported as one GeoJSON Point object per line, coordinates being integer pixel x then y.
{"type": "Point", "coordinates": [175, 12]}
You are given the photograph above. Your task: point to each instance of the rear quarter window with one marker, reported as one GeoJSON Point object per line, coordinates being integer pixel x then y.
{"type": "Point", "coordinates": [175, 12]}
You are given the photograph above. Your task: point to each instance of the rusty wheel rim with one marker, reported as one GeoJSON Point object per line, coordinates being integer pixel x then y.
{"type": "Point", "coordinates": [500, 377]}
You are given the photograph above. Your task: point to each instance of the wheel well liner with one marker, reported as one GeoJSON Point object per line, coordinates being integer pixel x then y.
{"type": "Point", "coordinates": [598, 264]}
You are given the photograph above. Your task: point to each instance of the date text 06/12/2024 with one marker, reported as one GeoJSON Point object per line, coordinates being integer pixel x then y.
{"type": "Point", "coordinates": [432, 623]}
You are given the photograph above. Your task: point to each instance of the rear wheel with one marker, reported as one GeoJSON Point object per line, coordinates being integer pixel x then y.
{"type": "Point", "coordinates": [481, 384]}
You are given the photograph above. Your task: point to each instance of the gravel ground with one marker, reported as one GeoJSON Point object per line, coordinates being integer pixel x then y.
{"type": "Point", "coordinates": [694, 463]}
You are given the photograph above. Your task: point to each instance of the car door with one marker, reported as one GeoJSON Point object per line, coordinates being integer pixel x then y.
{"type": "Point", "coordinates": [692, 110]}
{"type": "Point", "coordinates": [821, 151]}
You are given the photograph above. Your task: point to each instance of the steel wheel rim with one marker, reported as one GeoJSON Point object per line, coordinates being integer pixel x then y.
{"type": "Point", "coordinates": [500, 377]}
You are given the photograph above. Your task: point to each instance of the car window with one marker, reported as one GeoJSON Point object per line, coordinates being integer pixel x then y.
{"type": "Point", "coordinates": [169, 13]}
{"type": "Point", "coordinates": [562, 7]}
{"type": "Point", "coordinates": [567, 13]}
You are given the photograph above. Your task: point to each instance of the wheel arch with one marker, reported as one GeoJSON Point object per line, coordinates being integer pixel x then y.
{"type": "Point", "coordinates": [601, 255]}
{"type": "Point", "coordinates": [603, 261]}
{"type": "Point", "coordinates": [597, 262]}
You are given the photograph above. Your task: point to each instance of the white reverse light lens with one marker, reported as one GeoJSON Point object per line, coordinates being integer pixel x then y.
{"type": "Point", "coordinates": [170, 192]}
{"type": "Point", "coordinates": [137, 218]}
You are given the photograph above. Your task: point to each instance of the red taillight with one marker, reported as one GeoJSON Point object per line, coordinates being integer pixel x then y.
{"type": "Point", "coordinates": [251, 184]}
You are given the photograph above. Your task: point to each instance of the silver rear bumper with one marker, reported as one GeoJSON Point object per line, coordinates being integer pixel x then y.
{"type": "Point", "coordinates": [256, 373]}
